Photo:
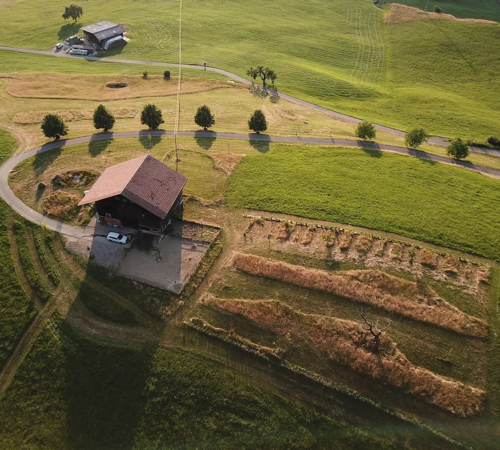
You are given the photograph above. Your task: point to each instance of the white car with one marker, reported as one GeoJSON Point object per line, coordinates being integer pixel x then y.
{"type": "Point", "coordinates": [117, 237]}
{"type": "Point", "coordinates": [59, 46]}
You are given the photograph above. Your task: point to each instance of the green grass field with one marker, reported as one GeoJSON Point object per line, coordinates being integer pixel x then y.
{"type": "Point", "coordinates": [464, 9]}
{"type": "Point", "coordinates": [341, 56]}
{"type": "Point", "coordinates": [71, 393]}
{"type": "Point", "coordinates": [432, 202]}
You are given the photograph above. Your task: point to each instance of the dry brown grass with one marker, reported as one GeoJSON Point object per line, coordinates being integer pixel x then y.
{"type": "Point", "coordinates": [226, 162]}
{"type": "Point", "coordinates": [309, 236]}
{"type": "Point", "coordinates": [363, 244]}
{"type": "Point", "coordinates": [344, 240]}
{"type": "Point", "coordinates": [32, 117]}
{"type": "Point", "coordinates": [285, 230]}
{"type": "Point", "coordinates": [401, 13]}
{"type": "Point", "coordinates": [61, 204]}
{"type": "Point", "coordinates": [93, 87]}
{"type": "Point", "coordinates": [346, 343]}
{"type": "Point", "coordinates": [483, 274]}
{"type": "Point", "coordinates": [451, 265]}
{"type": "Point", "coordinates": [372, 287]}
{"type": "Point", "coordinates": [428, 258]}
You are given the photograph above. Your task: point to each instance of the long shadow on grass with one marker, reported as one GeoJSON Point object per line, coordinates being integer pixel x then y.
{"type": "Point", "coordinates": [68, 30]}
{"type": "Point", "coordinates": [148, 141]}
{"type": "Point", "coordinates": [97, 146]}
{"type": "Point", "coordinates": [42, 161]}
{"type": "Point", "coordinates": [204, 142]}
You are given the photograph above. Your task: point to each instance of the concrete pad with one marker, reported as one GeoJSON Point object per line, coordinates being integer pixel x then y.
{"type": "Point", "coordinates": [169, 265]}
{"type": "Point", "coordinates": [106, 253]}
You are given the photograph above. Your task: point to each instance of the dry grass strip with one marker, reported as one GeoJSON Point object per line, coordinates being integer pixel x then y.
{"type": "Point", "coordinates": [401, 13]}
{"type": "Point", "coordinates": [346, 343]}
{"type": "Point", "coordinates": [373, 287]}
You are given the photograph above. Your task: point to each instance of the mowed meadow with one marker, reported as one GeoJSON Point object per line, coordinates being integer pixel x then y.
{"type": "Point", "coordinates": [432, 202]}
{"type": "Point", "coordinates": [437, 74]}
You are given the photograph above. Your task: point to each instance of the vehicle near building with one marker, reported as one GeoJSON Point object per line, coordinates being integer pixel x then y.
{"type": "Point", "coordinates": [117, 237]}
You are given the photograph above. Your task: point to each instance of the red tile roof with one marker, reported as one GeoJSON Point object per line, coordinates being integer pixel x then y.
{"type": "Point", "coordinates": [145, 181]}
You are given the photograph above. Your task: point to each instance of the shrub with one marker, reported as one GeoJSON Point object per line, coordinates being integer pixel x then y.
{"type": "Point", "coordinates": [204, 117]}
{"type": "Point", "coordinates": [437, 9]}
{"type": "Point", "coordinates": [258, 122]}
{"type": "Point", "coordinates": [416, 137]}
{"type": "Point", "coordinates": [365, 130]}
{"type": "Point", "coordinates": [145, 74]}
{"type": "Point", "coordinates": [166, 74]}
{"type": "Point", "coordinates": [494, 141]}
{"type": "Point", "coordinates": [53, 126]}
{"type": "Point", "coordinates": [151, 116]}
{"type": "Point", "coordinates": [103, 118]}
{"type": "Point", "coordinates": [458, 149]}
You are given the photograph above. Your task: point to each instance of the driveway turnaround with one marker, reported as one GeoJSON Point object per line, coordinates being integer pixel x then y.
{"type": "Point", "coordinates": [17, 205]}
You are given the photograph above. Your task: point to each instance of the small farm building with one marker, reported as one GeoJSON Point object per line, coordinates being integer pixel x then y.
{"type": "Point", "coordinates": [104, 35]}
{"type": "Point", "coordinates": [142, 193]}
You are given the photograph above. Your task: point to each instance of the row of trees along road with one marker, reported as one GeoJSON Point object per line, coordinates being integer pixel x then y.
{"type": "Point", "coordinates": [53, 125]}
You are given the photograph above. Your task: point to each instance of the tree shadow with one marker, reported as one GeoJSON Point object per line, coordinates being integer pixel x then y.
{"type": "Point", "coordinates": [42, 161]}
{"type": "Point", "coordinates": [67, 30]}
{"type": "Point", "coordinates": [275, 97]}
{"type": "Point", "coordinates": [258, 91]}
{"type": "Point", "coordinates": [262, 146]}
{"type": "Point", "coordinates": [39, 192]}
{"type": "Point", "coordinates": [148, 141]}
{"type": "Point", "coordinates": [97, 146]}
{"type": "Point", "coordinates": [372, 149]}
{"type": "Point", "coordinates": [204, 142]}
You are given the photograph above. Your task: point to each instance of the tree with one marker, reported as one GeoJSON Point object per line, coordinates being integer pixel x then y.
{"type": "Point", "coordinates": [151, 116]}
{"type": "Point", "coordinates": [53, 126]}
{"type": "Point", "coordinates": [166, 74]}
{"type": "Point", "coordinates": [416, 137]}
{"type": "Point", "coordinates": [73, 11]}
{"type": "Point", "coordinates": [365, 130]}
{"type": "Point", "coordinates": [264, 74]}
{"type": "Point", "coordinates": [258, 122]}
{"type": "Point", "coordinates": [373, 329]}
{"type": "Point", "coordinates": [103, 118]}
{"type": "Point", "coordinates": [458, 149]}
{"type": "Point", "coordinates": [204, 118]}
{"type": "Point", "coordinates": [437, 9]}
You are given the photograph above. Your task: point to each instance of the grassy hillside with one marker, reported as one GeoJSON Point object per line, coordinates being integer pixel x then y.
{"type": "Point", "coordinates": [338, 55]}
{"type": "Point", "coordinates": [71, 393]}
{"type": "Point", "coordinates": [432, 202]}
{"type": "Point", "coordinates": [464, 9]}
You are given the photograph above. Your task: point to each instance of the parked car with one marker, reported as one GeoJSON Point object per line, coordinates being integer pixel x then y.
{"type": "Point", "coordinates": [117, 237]}
{"type": "Point", "coordinates": [59, 46]}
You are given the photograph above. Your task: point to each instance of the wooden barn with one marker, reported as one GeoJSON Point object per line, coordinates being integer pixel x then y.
{"type": "Point", "coordinates": [142, 193]}
{"type": "Point", "coordinates": [104, 35]}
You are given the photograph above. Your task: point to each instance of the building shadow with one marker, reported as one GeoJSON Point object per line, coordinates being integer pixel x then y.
{"type": "Point", "coordinates": [148, 141]}
{"type": "Point", "coordinates": [67, 30]}
{"type": "Point", "coordinates": [97, 146]}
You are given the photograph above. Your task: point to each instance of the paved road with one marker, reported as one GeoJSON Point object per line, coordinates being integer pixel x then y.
{"type": "Point", "coordinates": [61, 54]}
{"type": "Point", "coordinates": [17, 205]}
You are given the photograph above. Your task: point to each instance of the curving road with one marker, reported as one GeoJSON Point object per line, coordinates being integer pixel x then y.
{"type": "Point", "coordinates": [17, 205]}
{"type": "Point", "coordinates": [61, 54]}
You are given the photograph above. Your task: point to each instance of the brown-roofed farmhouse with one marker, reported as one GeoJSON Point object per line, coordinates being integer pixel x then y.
{"type": "Point", "coordinates": [142, 193]}
{"type": "Point", "coordinates": [104, 35]}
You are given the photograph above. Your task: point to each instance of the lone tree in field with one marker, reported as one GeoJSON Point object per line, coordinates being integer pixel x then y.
{"type": "Point", "coordinates": [416, 137]}
{"type": "Point", "coordinates": [365, 130]}
{"type": "Point", "coordinates": [264, 73]}
{"type": "Point", "coordinates": [373, 329]}
{"type": "Point", "coordinates": [103, 118]}
{"type": "Point", "coordinates": [204, 117]}
{"type": "Point", "coordinates": [53, 126]}
{"type": "Point", "coordinates": [73, 11]}
{"type": "Point", "coordinates": [458, 149]}
{"type": "Point", "coordinates": [151, 116]}
{"type": "Point", "coordinates": [258, 122]}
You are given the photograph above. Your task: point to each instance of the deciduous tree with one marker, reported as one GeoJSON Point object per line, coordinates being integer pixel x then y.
{"type": "Point", "coordinates": [151, 116]}
{"type": "Point", "coordinates": [73, 11]}
{"type": "Point", "coordinates": [258, 122]}
{"type": "Point", "coordinates": [458, 149]}
{"type": "Point", "coordinates": [204, 117]}
{"type": "Point", "coordinates": [264, 73]}
{"type": "Point", "coordinates": [366, 130]}
{"type": "Point", "coordinates": [416, 137]}
{"type": "Point", "coordinates": [53, 126]}
{"type": "Point", "coordinates": [103, 118]}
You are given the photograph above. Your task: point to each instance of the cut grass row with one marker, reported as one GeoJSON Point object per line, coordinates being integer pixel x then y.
{"type": "Point", "coordinates": [427, 201]}
{"type": "Point", "coordinates": [48, 265]}
{"type": "Point", "coordinates": [100, 397]}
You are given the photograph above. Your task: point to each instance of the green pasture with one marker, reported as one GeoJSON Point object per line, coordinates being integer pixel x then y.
{"type": "Point", "coordinates": [70, 393]}
{"type": "Point", "coordinates": [340, 54]}
{"type": "Point", "coordinates": [432, 202]}
{"type": "Point", "coordinates": [464, 9]}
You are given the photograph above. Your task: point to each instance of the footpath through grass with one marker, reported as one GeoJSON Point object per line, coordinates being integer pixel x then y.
{"type": "Point", "coordinates": [70, 393]}
{"type": "Point", "coordinates": [432, 202]}
{"type": "Point", "coordinates": [16, 309]}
